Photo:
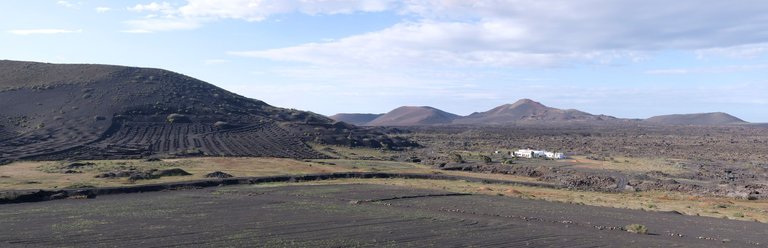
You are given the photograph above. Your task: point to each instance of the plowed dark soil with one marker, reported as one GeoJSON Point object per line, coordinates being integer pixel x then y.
{"type": "Point", "coordinates": [351, 215]}
{"type": "Point", "coordinates": [69, 111]}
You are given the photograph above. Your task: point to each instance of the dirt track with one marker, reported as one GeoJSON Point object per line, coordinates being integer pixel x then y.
{"type": "Point", "coordinates": [350, 215]}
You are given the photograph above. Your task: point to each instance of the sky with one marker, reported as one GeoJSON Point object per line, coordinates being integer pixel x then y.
{"type": "Point", "coordinates": [625, 58]}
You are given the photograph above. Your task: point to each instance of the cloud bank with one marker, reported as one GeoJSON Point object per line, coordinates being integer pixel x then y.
{"type": "Point", "coordinates": [522, 32]}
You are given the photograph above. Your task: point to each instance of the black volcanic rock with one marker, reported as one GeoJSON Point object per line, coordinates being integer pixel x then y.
{"type": "Point", "coordinates": [218, 174]}
{"type": "Point", "coordinates": [717, 118]}
{"type": "Point", "coordinates": [413, 116]}
{"type": "Point", "coordinates": [60, 111]}
{"type": "Point", "coordinates": [355, 119]}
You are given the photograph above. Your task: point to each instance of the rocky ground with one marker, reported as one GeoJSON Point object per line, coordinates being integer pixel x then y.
{"type": "Point", "coordinates": [701, 160]}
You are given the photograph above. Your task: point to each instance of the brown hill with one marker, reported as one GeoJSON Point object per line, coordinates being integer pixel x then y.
{"type": "Point", "coordinates": [413, 116]}
{"type": "Point", "coordinates": [717, 118]}
{"type": "Point", "coordinates": [71, 111]}
{"type": "Point", "coordinates": [526, 110]}
{"type": "Point", "coordinates": [355, 119]}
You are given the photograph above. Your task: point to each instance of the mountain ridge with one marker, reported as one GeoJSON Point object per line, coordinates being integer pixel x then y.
{"type": "Point", "coordinates": [527, 111]}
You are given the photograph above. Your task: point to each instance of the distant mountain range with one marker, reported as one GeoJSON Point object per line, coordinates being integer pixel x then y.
{"type": "Point", "coordinates": [521, 112]}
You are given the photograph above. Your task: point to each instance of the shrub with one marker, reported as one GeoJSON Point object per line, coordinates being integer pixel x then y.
{"type": "Point", "coordinates": [487, 159]}
{"type": "Point", "coordinates": [456, 158]}
{"type": "Point", "coordinates": [636, 228]}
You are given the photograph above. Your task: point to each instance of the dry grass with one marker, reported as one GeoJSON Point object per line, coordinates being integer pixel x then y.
{"type": "Point", "coordinates": [26, 175]}
{"type": "Point", "coordinates": [35, 175]}
{"type": "Point", "coordinates": [626, 164]}
{"type": "Point", "coordinates": [45, 175]}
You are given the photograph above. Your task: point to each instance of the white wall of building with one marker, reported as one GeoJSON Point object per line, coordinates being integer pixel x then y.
{"type": "Point", "coordinates": [530, 153]}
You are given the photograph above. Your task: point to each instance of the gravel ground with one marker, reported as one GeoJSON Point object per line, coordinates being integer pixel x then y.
{"type": "Point", "coordinates": [350, 216]}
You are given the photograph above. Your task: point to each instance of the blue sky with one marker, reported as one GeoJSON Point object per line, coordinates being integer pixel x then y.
{"type": "Point", "coordinates": [630, 59]}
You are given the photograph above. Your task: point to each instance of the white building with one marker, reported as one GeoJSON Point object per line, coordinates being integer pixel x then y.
{"type": "Point", "coordinates": [555, 155]}
{"type": "Point", "coordinates": [530, 153]}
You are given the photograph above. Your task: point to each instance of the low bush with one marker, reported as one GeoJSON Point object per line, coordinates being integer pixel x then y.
{"type": "Point", "coordinates": [636, 228]}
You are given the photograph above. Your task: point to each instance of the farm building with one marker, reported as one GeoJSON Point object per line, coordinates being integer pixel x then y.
{"type": "Point", "coordinates": [530, 153]}
{"type": "Point", "coordinates": [554, 155]}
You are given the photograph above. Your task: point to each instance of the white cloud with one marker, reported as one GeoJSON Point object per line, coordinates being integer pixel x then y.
{"type": "Point", "coordinates": [66, 4]}
{"type": "Point", "coordinates": [549, 25]}
{"type": "Point", "coordinates": [493, 32]}
{"type": "Point", "coordinates": [44, 31]}
{"type": "Point", "coordinates": [163, 7]}
{"type": "Point", "coordinates": [740, 51]}
{"type": "Point", "coordinates": [196, 12]}
{"type": "Point", "coordinates": [565, 25]}
{"type": "Point", "coordinates": [150, 25]}
{"type": "Point", "coordinates": [169, 19]}
{"type": "Point", "coordinates": [259, 10]}
{"type": "Point", "coordinates": [530, 33]}
{"type": "Point", "coordinates": [491, 43]}
{"type": "Point", "coordinates": [103, 9]}
{"type": "Point", "coordinates": [718, 69]}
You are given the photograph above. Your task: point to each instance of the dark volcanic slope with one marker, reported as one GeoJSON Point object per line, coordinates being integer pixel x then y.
{"type": "Point", "coordinates": [717, 118]}
{"type": "Point", "coordinates": [413, 116]}
{"type": "Point", "coordinates": [527, 110]}
{"type": "Point", "coordinates": [17, 74]}
{"type": "Point", "coordinates": [355, 119]}
{"type": "Point", "coordinates": [52, 111]}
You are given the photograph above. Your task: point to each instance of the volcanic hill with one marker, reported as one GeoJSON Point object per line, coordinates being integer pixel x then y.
{"type": "Point", "coordinates": [413, 116]}
{"type": "Point", "coordinates": [526, 110]}
{"type": "Point", "coordinates": [703, 119]}
{"type": "Point", "coordinates": [79, 111]}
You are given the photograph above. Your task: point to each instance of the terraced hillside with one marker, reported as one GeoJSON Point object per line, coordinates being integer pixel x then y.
{"type": "Point", "coordinates": [55, 111]}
